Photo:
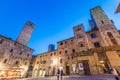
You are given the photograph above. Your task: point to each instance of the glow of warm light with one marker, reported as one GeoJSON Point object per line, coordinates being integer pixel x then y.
{"type": "Point", "coordinates": [101, 61]}
{"type": "Point", "coordinates": [61, 68]}
{"type": "Point", "coordinates": [2, 72]}
{"type": "Point", "coordinates": [55, 62]}
{"type": "Point", "coordinates": [22, 73]}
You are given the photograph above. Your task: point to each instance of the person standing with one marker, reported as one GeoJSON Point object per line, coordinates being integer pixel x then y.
{"type": "Point", "coordinates": [61, 74]}
{"type": "Point", "coordinates": [58, 74]}
{"type": "Point", "coordinates": [114, 72]}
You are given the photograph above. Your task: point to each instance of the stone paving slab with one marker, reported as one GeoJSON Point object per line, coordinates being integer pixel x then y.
{"type": "Point", "coordinates": [97, 77]}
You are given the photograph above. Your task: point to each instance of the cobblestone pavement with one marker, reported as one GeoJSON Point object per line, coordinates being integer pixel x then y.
{"type": "Point", "coordinates": [97, 77]}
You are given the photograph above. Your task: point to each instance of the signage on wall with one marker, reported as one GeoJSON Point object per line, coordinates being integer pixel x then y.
{"type": "Point", "coordinates": [80, 66]}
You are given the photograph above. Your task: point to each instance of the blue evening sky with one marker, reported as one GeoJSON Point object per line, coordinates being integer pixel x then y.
{"type": "Point", "coordinates": [53, 19]}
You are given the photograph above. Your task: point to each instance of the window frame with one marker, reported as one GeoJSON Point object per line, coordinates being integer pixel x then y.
{"type": "Point", "coordinates": [93, 35]}
{"type": "Point", "coordinates": [97, 44]}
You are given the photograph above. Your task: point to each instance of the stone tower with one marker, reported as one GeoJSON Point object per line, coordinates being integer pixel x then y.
{"type": "Point", "coordinates": [106, 27]}
{"type": "Point", "coordinates": [80, 37]}
{"type": "Point", "coordinates": [26, 33]}
{"type": "Point", "coordinates": [118, 9]}
{"type": "Point", "coordinates": [51, 47]}
{"type": "Point", "coordinates": [92, 24]}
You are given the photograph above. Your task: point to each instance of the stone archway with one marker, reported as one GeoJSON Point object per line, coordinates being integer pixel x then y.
{"type": "Point", "coordinates": [54, 71]}
{"type": "Point", "coordinates": [43, 73]}
{"type": "Point", "coordinates": [35, 73]}
{"type": "Point", "coordinates": [40, 73]}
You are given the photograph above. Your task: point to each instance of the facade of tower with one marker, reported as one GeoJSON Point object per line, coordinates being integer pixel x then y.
{"type": "Point", "coordinates": [15, 56]}
{"type": "Point", "coordinates": [94, 52]}
{"type": "Point", "coordinates": [51, 47]}
{"type": "Point", "coordinates": [118, 8]}
{"type": "Point", "coordinates": [26, 33]}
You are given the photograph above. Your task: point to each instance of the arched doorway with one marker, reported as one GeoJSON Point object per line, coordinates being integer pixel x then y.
{"type": "Point", "coordinates": [40, 73]}
{"type": "Point", "coordinates": [35, 73]}
{"type": "Point", "coordinates": [111, 38]}
{"type": "Point", "coordinates": [54, 70]}
{"type": "Point", "coordinates": [43, 73]}
{"type": "Point", "coordinates": [86, 67]}
{"type": "Point", "coordinates": [67, 70]}
{"type": "Point", "coordinates": [105, 67]}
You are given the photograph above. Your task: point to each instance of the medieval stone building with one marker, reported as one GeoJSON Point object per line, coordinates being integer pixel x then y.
{"type": "Point", "coordinates": [118, 9]}
{"type": "Point", "coordinates": [15, 56]}
{"type": "Point", "coordinates": [94, 52]}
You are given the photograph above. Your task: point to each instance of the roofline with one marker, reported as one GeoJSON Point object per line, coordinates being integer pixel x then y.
{"type": "Point", "coordinates": [46, 52]}
{"type": "Point", "coordinates": [78, 25]}
{"type": "Point", "coordinates": [16, 42]}
{"type": "Point", "coordinates": [65, 39]}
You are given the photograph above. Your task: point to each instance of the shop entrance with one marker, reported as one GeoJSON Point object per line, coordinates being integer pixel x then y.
{"type": "Point", "coordinates": [67, 70]}
{"type": "Point", "coordinates": [86, 68]}
{"type": "Point", "coordinates": [54, 70]}
{"type": "Point", "coordinates": [105, 66]}
{"type": "Point", "coordinates": [10, 73]}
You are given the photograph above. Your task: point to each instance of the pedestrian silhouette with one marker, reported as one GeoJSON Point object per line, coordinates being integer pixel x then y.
{"type": "Point", "coordinates": [59, 74]}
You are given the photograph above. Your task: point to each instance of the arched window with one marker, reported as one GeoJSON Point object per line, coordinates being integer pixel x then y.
{"type": "Point", "coordinates": [65, 51]}
{"type": "Point", "coordinates": [111, 38]}
{"type": "Point", "coordinates": [17, 62]}
{"type": "Point", "coordinates": [25, 63]}
{"type": "Point", "coordinates": [79, 36]}
{"type": "Point", "coordinates": [102, 21]}
{"type": "Point", "coordinates": [60, 60]}
{"type": "Point", "coordinates": [93, 35]}
{"type": "Point", "coordinates": [97, 44]}
{"type": "Point", "coordinates": [20, 53]}
{"type": "Point", "coordinates": [110, 35]}
{"type": "Point", "coordinates": [60, 52]}
{"type": "Point", "coordinates": [1, 40]}
{"type": "Point", "coordinates": [11, 50]}
{"type": "Point", "coordinates": [81, 44]}
{"type": "Point", "coordinates": [73, 50]}
{"type": "Point", "coordinates": [51, 54]}
{"type": "Point", "coordinates": [5, 60]}
{"type": "Point", "coordinates": [54, 53]}
{"type": "Point", "coordinates": [61, 43]}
